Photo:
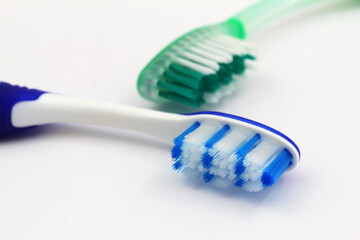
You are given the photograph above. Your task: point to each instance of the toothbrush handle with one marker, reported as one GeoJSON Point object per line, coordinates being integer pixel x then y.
{"type": "Point", "coordinates": [9, 96]}
{"type": "Point", "coordinates": [26, 108]}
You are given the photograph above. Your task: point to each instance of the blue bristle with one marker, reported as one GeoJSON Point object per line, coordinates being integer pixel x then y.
{"type": "Point", "coordinates": [276, 168]}
{"type": "Point", "coordinates": [178, 142]}
{"type": "Point", "coordinates": [208, 177]}
{"type": "Point", "coordinates": [217, 136]}
{"type": "Point", "coordinates": [239, 167]}
{"type": "Point", "coordinates": [178, 165]}
{"type": "Point", "coordinates": [206, 158]}
{"type": "Point", "coordinates": [176, 151]}
{"type": "Point", "coordinates": [180, 138]}
{"type": "Point", "coordinates": [239, 182]}
{"type": "Point", "coordinates": [245, 148]}
{"type": "Point", "coordinates": [242, 151]}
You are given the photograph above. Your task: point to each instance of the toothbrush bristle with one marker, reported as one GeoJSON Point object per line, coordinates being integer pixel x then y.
{"type": "Point", "coordinates": [276, 168]}
{"type": "Point", "coordinates": [227, 156]}
{"type": "Point", "coordinates": [199, 68]}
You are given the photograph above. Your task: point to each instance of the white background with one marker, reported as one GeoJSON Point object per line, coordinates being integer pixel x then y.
{"type": "Point", "coordinates": [78, 182]}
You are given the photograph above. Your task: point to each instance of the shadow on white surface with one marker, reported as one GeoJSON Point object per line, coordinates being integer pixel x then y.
{"type": "Point", "coordinates": [275, 196]}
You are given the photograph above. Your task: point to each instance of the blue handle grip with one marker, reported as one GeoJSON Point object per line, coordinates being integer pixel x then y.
{"type": "Point", "coordinates": [9, 96]}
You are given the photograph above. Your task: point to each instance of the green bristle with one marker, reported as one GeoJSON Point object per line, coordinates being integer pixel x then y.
{"type": "Point", "coordinates": [194, 67]}
{"type": "Point", "coordinates": [186, 71]}
{"type": "Point", "coordinates": [230, 67]}
{"type": "Point", "coordinates": [239, 64]}
{"type": "Point", "coordinates": [225, 73]}
{"type": "Point", "coordinates": [250, 57]}
{"type": "Point", "coordinates": [180, 79]}
{"type": "Point", "coordinates": [211, 82]}
{"type": "Point", "coordinates": [187, 85]}
{"type": "Point", "coordinates": [177, 98]}
{"type": "Point", "coordinates": [180, 90]}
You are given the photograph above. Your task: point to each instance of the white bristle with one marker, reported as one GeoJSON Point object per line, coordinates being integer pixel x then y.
{"type": "Point", "coordinates": [229, 43]}
{"type": "Point", "coordinates": [259, 156]}
{"type": "Point", "coordinates": [222, 183]}
{"type": "Point", "coordinates": [201, 169]}
{"type": "Point", "coordinates": [209, 55]}
{"type": "Point", "coordinates": [222, 92]}
{"type": "Point", "coordinates": [211, 98]}
{"type": "Point", "coordinates": [199, 59]}
{"type": "Point", "coordinates": [192, 150]}
{"type": "Point", "coordinates": [223, 46]}
{"type": "Point", "coordinates": [202, 42]}
{"type": "Point", "coordinates": [228, 156]}
{"type": "Point", "coordinates": [194, 66]}
{"type": "Point", "coordinates": [217, 94]}
{"type": "Point", "coordinates": [257, 159]}
{"type": "Point", "coordinates": [192, 173]}
{"type": "Point", "coordinates": [225, 90]}
{"type": "Point", "coordinates": [252, 186]}
{"type": "Point", "coordinates": [228, 145]}
{"type": "Point", "coordinates": [223, 152]}
{"type": "Point", "coordinates": [214, 50]}
{"type": "Point", "coordinates": [207, 52]}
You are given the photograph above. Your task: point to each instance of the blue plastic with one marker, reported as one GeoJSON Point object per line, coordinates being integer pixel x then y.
{"type": "Point", "coordinates": [178, 142]}
{"type": "Point", "coordinates": [239, 183]}
{"type": "Point", "coordinates": [276, 168]}
{"type": "Point", "coordinates": [217, 136]}
{"type": "Point", "coordinates": [181, 138]}
{"type": "Point", "coordinates": [208, 177]}
{"type": "Point", "coordinates": [242, 151]}
{"type": "Point", "coordinates": [9, 96]}
{"type": "Point", "coordinates": [178, 165]}
{"type": "Point", "coordinates": [207, 158]}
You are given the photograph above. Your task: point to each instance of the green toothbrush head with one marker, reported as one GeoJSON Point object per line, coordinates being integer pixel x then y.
{"type": "Point", "coordinates": [202, 66]}
{"type": "Point", "coordinates": [198, 68]}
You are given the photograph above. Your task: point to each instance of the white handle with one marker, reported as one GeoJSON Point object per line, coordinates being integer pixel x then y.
{"type": "Point", "coordinates": [53, 108]}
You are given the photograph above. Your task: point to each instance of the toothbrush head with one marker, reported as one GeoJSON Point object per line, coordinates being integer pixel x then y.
{"type": "Point", "coordinates": [201, 67]}
{"type": "Point", "coordinates": [230, 151]}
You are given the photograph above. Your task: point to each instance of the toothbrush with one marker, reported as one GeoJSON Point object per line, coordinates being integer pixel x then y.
{"type": "Point", "coordinates": [222, 149]}
{"type": "Point", "coordinates": [203, 66]}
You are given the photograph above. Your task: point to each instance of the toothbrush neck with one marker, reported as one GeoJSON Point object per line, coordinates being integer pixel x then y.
{"type": "Point", "coordinates": [258, 15]}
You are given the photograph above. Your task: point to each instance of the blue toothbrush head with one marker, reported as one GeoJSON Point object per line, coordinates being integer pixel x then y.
{"type": "Point", "coordinates": [230, 151]}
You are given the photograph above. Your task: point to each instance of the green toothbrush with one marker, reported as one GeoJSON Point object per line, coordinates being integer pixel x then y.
{"type": "Point", "coordinates": [202, 66]}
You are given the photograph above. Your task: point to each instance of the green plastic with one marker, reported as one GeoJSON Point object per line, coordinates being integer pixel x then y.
{"type": "Point", "coordinates": [264, 12]}
{"type": "Point", "coordinates": [162, 80]}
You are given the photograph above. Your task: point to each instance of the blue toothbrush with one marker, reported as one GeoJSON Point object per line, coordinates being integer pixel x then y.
{"type": "Point", "coordinates": [225, 150]}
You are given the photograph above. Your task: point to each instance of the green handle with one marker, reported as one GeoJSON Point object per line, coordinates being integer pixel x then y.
{"type": "Point", "coordinates": [265, 11]}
